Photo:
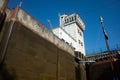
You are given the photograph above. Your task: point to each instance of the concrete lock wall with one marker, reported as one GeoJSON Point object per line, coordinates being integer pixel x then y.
{"type": "Point", "coordinates": [100, 71]}
{"type": "Point", "coordinates": [35, 54]}
{"type": "Point", "coordinates": [103, 70]}
{"type": "Point", "coordinates": [29, 51]}
{"type": "Point", "coordinates": [42, 31]}
{"type": "Point", "coordinates": [30, 57]}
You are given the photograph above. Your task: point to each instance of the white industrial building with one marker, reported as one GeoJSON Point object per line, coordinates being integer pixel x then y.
{"type": "Point", "coordinates": [70, 30]}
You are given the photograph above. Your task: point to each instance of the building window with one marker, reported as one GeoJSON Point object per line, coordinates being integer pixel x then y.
{"type": "Point", "coordinates": [79, 41]}
{"type": "Point", "coordinates": [67, 43]}
{"type": "Point", "coordinates": [63, 39]}
{"type": "Point", "coordinates": [81, 44]}
{"type": "Point", "coordinates": [79, 32]}
{"type": "Point", "coordinates": [75, 17]}
{"type": "Point", "coordinates": [72, 18]}
{"type": "Point", "coordinates": [67, 20]}
{"type": "Point", "coordinates": [62, 17]}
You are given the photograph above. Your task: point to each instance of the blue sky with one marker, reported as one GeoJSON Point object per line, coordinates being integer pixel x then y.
{"type": "Point", "coordinates": [88, 10]}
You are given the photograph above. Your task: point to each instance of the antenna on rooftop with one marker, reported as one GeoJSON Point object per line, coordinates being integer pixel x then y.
{"type": "Point", "coordinates": [49, 22]}
{"type": "Point", "coordinates": [59, 14]}
{"type": "Point", "coordinates": [20, 4]}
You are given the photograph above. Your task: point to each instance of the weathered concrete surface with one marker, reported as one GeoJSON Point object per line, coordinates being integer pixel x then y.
{"type": "Point", "coordinates": [103, 71]}
{"type": "Point", "coordinates": [42, 31]}
{"type": "Point", "coordinates": [35, 53]}
{"type": "Point", "coordinates": [80, 72]}
{"type": "Point", "coordinates": [30, 57]}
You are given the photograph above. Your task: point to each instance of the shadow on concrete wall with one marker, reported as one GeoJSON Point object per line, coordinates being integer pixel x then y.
{"type": "Point", "coordinates": [80, 72]}
{"type": "Point", "coordinates": [87, 71]}
{"type": "Point", "coordinates": [117, 69]}
{"type": "Point", "coordinates": [5, 74]}
{"type": "Point", "coordinates": [2, 19]}
{"type": "Point", "coordinates": [77, 72]}
{"type": "Point", "coordinates": [103, 71]}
